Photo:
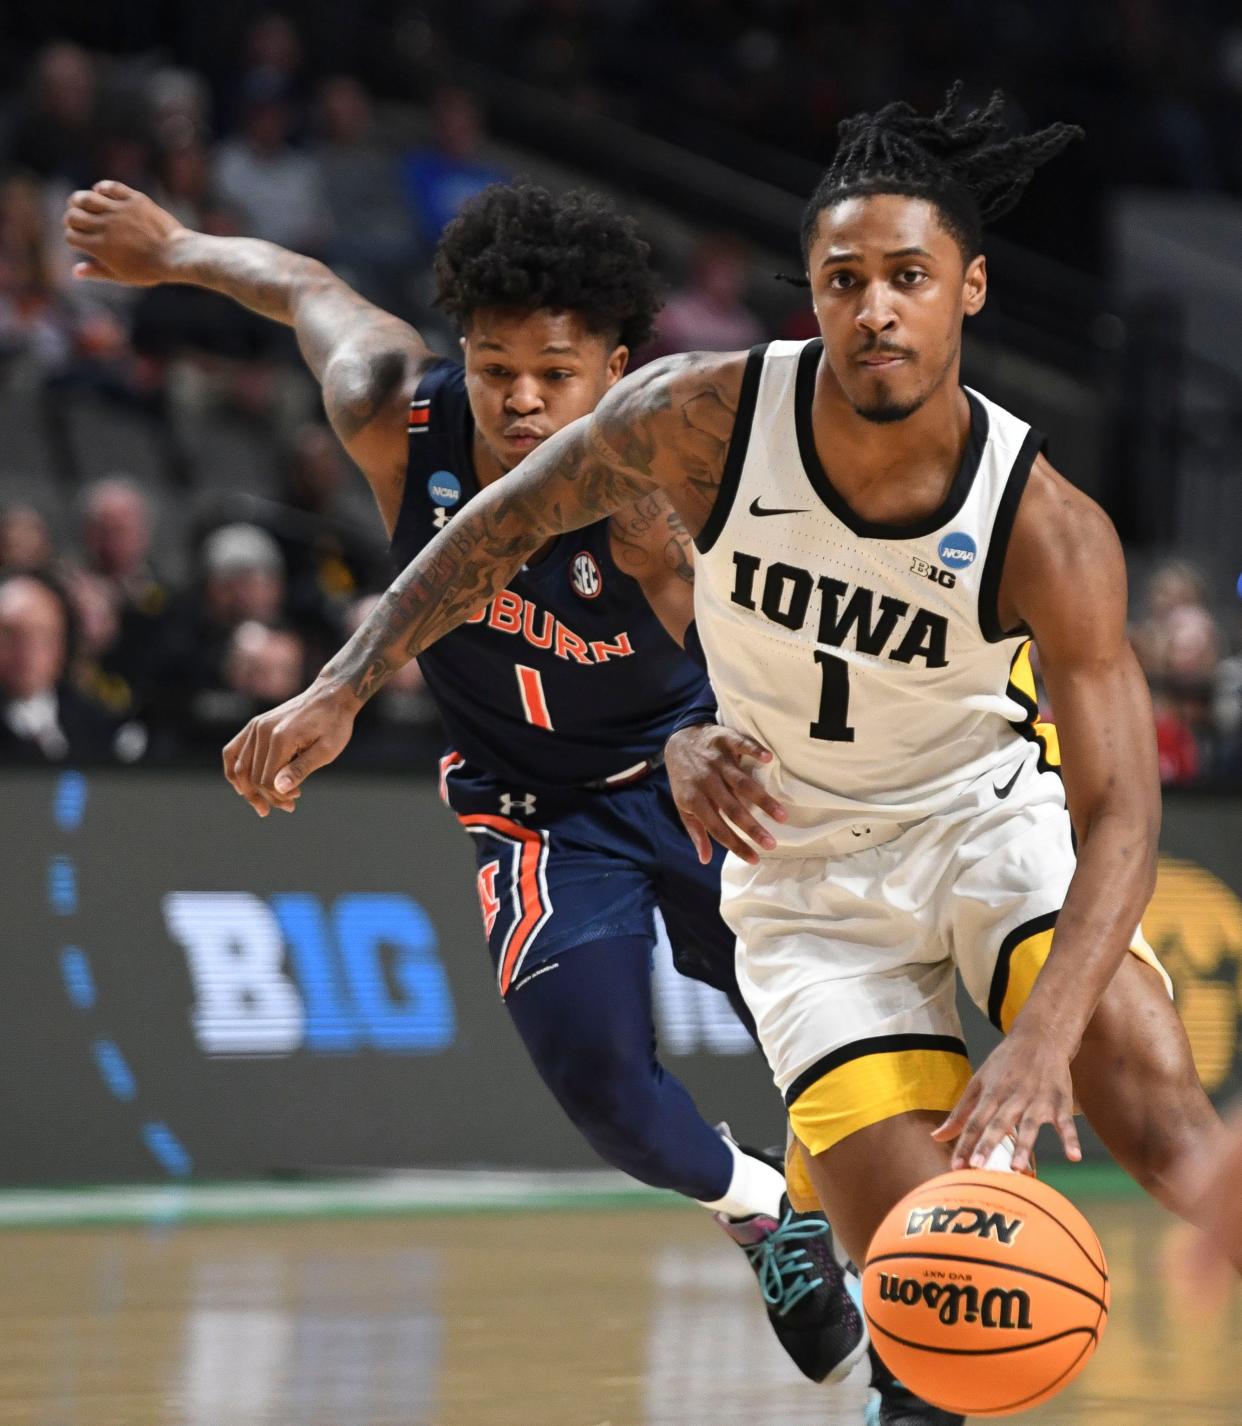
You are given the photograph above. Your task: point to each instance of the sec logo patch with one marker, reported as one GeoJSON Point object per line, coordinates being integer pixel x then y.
{"type": "Point", "coordinates": [584, 576]}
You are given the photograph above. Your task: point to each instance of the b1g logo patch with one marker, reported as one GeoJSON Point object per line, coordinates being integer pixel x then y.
{"type": "Point", "coordinates": [444, 488]}
{"type": "Point", "coordinates": [584, 576]}
{"type": "Point", "coordinates": [958, 550]}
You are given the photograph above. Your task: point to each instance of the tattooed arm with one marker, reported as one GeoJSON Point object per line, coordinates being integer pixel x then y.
{"type": "Point", "coordinates": [650, 542]}
{"type": "Point", "coordinates": [662, 432]}
{"type": "Point", "coordinates": [366, 361]}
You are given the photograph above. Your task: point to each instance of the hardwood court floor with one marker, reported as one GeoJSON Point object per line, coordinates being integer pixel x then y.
{"type": "Point", "coordinates": [645, 1317]}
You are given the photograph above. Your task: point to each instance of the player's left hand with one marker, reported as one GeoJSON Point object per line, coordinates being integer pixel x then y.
{"type": "Point", "coordinates": [715, 794]}
{"type": "Point", "coordinates": [1021, 1086]}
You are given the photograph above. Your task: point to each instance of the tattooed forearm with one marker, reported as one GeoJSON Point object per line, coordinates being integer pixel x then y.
{"type": "Point", "coordinates": [642, 437]}
{"type": "Point", "coordinates": [561, 486]}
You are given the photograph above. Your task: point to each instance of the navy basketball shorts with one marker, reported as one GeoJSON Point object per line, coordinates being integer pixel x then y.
{"type": "Point", "coordinates": [564, 868]}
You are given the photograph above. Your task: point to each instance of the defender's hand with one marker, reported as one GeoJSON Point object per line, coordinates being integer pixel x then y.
{"type": "Point", "coordinates": [122, 235]}
{"type": "Point", "coordinates": [709, 781]}
{"type": "Point", "coordinates": [271, 757]}
{"type": "Point", "coordinates": [1022, 1085]}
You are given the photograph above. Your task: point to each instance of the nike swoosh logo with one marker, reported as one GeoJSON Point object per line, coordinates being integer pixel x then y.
{"type": "Point", "coordinates": [1008, 787]}
{"type": "Point", "coordinates": [757, 509]}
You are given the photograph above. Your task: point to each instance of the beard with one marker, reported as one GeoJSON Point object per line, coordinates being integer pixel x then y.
{"type": "Point", "coordinates": [885, 411]}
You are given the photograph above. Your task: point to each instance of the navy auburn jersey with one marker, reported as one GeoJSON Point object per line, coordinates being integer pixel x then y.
{"type": "Point", "coordinates": [567, 677]}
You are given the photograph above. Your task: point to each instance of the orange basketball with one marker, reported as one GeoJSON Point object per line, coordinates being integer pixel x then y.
{"type": "Point", "coordinates": [985, 1293]}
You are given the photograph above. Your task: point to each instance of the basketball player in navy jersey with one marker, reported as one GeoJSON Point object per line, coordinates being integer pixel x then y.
{"type": "Point", "coordinates": [559, 692]}
{"type": "Point", "coordinates": [878, 547]}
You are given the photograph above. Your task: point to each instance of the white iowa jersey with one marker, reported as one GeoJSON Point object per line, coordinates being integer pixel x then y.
{"type": "Point", "coordinates": [868, 658]}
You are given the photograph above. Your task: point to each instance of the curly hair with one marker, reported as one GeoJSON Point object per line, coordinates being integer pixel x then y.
{"type": "Point", "coordinates": [517, 245]}
{"type": "Point", "coordinates": [968, 165]}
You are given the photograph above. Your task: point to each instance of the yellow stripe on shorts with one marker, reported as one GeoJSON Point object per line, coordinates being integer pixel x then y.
{"type": "Point", "coordinates": [798, 1185]}
{"type": "Point", "coordinates": [1021, 958]}
{"type": "Point", "coordinates": [871, 1080]}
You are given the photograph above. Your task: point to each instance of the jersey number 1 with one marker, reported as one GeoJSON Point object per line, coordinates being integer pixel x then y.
{"type": "Point", "coordinates": [534, 704]}
{"type": "Point", "coordinates": [832, 725]}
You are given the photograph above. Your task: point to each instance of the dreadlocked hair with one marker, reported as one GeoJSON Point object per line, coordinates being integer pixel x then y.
{"type": "Point", "coordinates": [518, 246]}
{"type": "Point", "coordinates": [968, 165]}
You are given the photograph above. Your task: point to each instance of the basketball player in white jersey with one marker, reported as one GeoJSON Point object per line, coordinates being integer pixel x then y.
{"type": "Point", "coordinates": [876, 549]}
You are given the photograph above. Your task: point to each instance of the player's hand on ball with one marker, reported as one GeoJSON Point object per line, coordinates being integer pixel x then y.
{"type": "Point", "coordinates": [1021, 1086]}
{"type": "Point", "coordinates": [122, 235]}
{"type": "Point", "coordinates": [267, 762]}
{"type": "Point", "coordinates": [710, 783]}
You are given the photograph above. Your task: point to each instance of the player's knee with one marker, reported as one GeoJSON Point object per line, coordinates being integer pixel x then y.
{"type": "Point", "coordinates": [1157, 1115]}
{"type": "Point", "coordinates": [610, 1099]}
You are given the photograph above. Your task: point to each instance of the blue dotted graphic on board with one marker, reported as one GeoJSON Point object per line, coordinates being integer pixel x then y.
{"type": "Point", "coordinates": [69, 803]}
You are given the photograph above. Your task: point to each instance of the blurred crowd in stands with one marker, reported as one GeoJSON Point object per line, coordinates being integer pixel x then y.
{"type": "Point", "coordinates": [1157, 85]}
{"type": "Point", "coordinates": [143, 622]}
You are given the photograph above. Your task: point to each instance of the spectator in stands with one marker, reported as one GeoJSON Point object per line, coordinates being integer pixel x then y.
{"type": "Point", "coordinates": [244, 577]}
{"type": "Point", "coordinates": [261, 667]}
{"type": "Point", "coordinates": [1178, 646]}
{"type": "Point", "coordinates": [116, 532]}
{"type": "Point", "coordinates": [710, 314]}
{"type": "Point", "coordinates": [272, 61]}
{"type": "Point", "coordinates": [260, 173]}
{"type": "Point", "coordinates": [183, 182]}
{"type": "Point", "coordinates": [1176, 747]}
{"type": "Point", "coordinates": [43, 718]}
{"type": "Point", "coordinates": [36, 331]}
{"type": "Point", "coordinates": [180, 109]}
{"type": "Point", "coordinates": [55, 131]}
{"type": "Point", "coordinates": [372, 240]}
{"type": "Point", "coordinates": [242, 580]}
{"type": "Point", "coordinates": [50, 336]}
{"type": "Point", "coordinates": [97, 619]}
{"type": "Point", "coordinates": [25, 540]}
{"type": "Point", "coordinates": [441, 177]}
{"type": "Point", "coordinates": [1178, 638]}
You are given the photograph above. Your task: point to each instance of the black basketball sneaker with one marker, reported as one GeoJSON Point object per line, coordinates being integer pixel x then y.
{"type": "Point", "coordinates": [810, 1307]}
{"type": "Point", "coordinates": [896, 1405]}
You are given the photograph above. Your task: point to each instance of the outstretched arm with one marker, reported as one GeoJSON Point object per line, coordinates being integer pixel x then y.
{"type": "Point", "coordinates": [666, 429]}
{"type": "Point", "coordinates": [1065, 579]}
{"type": "Point", "coordinates": [367, 361]}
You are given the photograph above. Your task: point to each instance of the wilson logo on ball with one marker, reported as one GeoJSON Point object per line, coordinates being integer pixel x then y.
{"type": "Point", "coordinates": [963, 1219]}
{"type": "Point", "coordinates": [1008, 1309]}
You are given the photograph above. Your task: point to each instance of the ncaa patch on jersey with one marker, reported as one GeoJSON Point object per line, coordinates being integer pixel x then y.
{"type": "Point", "coordinates": [584, 576]}
{"type": "Point", "coordinates": [958, 550]}
{"type": "Point", "coordinates": [444, 487]}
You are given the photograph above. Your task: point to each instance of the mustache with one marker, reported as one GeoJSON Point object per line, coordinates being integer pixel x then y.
{"type": "Point", "coordinates": [882, 349]}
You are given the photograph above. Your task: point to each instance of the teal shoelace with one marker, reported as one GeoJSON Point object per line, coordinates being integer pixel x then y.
{"type": "Point", "coordinates": [786, 1272]}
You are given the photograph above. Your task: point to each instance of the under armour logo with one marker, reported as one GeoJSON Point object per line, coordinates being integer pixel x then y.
{"type": "Point", "coordinates": [441, 517]}
{"type": "Point", "coordinates": [524, 804]}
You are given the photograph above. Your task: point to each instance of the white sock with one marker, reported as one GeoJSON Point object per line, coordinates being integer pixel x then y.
{"type": "Point", "coordinates": [756, 1187]}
